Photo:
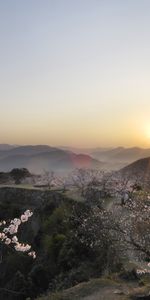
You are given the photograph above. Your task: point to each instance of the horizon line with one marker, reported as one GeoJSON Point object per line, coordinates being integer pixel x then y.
{"type": "Point", "coordinates": [76, 147]}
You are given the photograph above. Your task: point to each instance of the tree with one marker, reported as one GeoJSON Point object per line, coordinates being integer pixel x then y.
{"type": "Point", "coordinates": [62, 182]}
{"type": "Point", "coordinates": [123, 229]}
{"type": "Point", "coordinates": [48, 179]}
{"type": "Point", "coordinates": [95, 235]}
{"type": "Point", "coordinates": [135, 225]}
{"type": "Point", "coordinates": [19, 174]}
{"type": "Point", "coordinates": [82, 179]}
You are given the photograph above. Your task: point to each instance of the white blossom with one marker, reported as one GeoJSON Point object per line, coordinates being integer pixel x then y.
{"type": "Point", "coordinates": [8, 241]}
{"type": "Point", "coordinates": [12, 229]}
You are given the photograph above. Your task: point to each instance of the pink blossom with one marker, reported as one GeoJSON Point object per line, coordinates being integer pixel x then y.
{"type": "Point", "coordinates": [12, 229]}
{"type": "Point", "coordinates": [14, 239]}
{"type": "Point", "coordinates": [32, 253]}
{"type": "Point", "coordinates": [7, 241]}
{"type": "Point", "coordinates": [24, 218]}
{"type": "Point", "coordinates": [22, 247]}
{"type": "Point", "coordinates": [28, 213]}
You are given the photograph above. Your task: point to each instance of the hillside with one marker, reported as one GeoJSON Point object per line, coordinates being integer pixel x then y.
{"type": "Point", "coordinates": [139, 168]}
{"type": "Point", "coordinates": [29, 277]}
{"type": "Point", "coordinates": [72, 242]}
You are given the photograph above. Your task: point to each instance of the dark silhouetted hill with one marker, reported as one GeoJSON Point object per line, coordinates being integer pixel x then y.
{"type": "Point", "coordinates": [138, 169]}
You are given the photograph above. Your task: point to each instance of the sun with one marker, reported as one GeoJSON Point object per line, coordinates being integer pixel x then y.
{"type": "Point", "coordinates": [147, 131]}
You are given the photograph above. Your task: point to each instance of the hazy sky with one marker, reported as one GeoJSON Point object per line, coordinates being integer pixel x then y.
{"type": "Point", "coordinates": [75, 72]}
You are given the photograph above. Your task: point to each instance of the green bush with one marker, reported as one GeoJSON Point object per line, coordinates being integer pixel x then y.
{"type": "Point", "coordinates": [57, 222]}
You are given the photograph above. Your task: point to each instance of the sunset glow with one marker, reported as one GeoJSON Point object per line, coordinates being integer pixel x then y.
{"type": "Point", "coordinates": [147, 131]}
{"type": "Point", "coordinates": [75, 73]}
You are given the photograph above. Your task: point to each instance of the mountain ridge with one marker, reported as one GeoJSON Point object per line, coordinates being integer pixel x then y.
{"type": "Point", "coordinates": [37, 158]}
{"type": "Point", "coordinates": [138, 169]}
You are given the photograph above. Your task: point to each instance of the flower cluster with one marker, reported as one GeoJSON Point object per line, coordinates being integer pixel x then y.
{"type": "Point", "coordinates": [8, 234]}
{"type": "Point", "coordinates": [142, 271]}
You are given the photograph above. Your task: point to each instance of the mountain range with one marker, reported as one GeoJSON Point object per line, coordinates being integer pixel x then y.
{"type": "Point", "coordinates": [62, 159]}
{"type": "Point", "coordinates": [42, 157]}
{"type": "Point", "coordinates": [5, 147]}
{"type": "Point", "coordinates": [115, 158]}
{"type": "Point", "coordinates": [122, 154]}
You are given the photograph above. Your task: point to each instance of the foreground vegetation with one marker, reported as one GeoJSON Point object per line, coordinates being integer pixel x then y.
{"type": "Point", "coordinates": [100, 233]}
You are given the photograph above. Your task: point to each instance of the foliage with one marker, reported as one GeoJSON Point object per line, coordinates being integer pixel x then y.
{"type": "Point", "coordinates": [19, 174]}
{"type": "Point", "coordinates": [76, 241]}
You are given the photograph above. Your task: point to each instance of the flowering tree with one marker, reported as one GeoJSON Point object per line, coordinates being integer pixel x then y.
{"type": "Point", "coordinates": [135, 223]}
{"type": "Point", "coordinates": [62, 182]}
{"type": "Point", "coordinates": [95, 232]}
{"type": "Point", "coordinates": [83, 178]}
{"type": "Point", "coordinates": [47, 179]}
{"type": "Point", "coordinates": [9, 230]}
{"type": "Point", "coordinates": [124, 228]}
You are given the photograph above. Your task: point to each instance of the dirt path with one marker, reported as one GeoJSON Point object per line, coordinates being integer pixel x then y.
{"type": "Point", "coordinates": [107, 293]}
{"type": "Point", "coordinates": [100, 289]}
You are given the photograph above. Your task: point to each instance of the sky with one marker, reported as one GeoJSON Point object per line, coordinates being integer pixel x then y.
{"type": "Point", "coordinates": [75, 72]}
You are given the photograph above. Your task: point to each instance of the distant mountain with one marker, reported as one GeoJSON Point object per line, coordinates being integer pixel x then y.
{"type": "Point", "coordinates": [5, 147]}
{"type": "Point", "coordinates": [31, 149]}
{"type": "Point", "coordinates": [37, 158]}
{"type": "Point", "coordinates": [106, 153]}
{"type": "Point", "coordinates": [26, 150]}
{"type": "Point", "coordinates": [138, 169]}
{"type": "Point", "coordinates": [121, 154]}
{"type": "Point", "coordinates": [131, 154]}
{"type": "Point", "coordinates": [84, 150]}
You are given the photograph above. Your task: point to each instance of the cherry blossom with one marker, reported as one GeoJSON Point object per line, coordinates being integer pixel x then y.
{"type": "Point", "coordinates": [8, 233]}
